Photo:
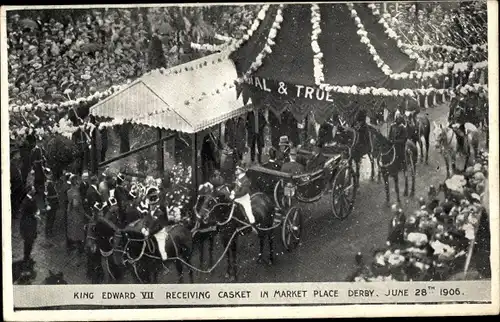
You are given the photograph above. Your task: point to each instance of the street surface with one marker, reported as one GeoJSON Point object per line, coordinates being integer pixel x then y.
{"type": "Point", "coordinates": [325, 254]}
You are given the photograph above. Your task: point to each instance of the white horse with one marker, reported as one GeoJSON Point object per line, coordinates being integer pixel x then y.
{"type": "Point", "coordinates": [446, 143]}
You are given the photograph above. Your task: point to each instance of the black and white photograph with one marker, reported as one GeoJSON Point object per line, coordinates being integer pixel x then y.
{"type": "Point", "coordinates": [247, 144]}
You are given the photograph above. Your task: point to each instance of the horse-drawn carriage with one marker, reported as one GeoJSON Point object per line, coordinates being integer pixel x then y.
{"type": "Point", "coordinates": [335, 178]}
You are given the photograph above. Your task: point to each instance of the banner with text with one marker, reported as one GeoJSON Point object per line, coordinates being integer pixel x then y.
{"type": "Point", "coordinates": [46, 296]}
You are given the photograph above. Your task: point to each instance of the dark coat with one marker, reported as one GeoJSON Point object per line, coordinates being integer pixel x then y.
{"type": "Point", "coordinates": [155, 220]}
{"type": "Point", "coordinates": [235, 133]}
{"type": "Point", "coordinates": [251, 123]}
{"type": "Point", "coordinates": [122, 196]}
{"type": "Point", "coordinates": [242, 186]}
{"type": "Point", "coordinates": [93, 197]}
{"type": "Point", "coordinates": [293, 167]}
{"type": "Point", "coordinates": [52, 196]}
{"type": "Point", "coordinates": [28, 224]}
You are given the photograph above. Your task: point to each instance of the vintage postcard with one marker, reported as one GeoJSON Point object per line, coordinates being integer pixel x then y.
{"type": "Point", "coordinates": [255, 160]}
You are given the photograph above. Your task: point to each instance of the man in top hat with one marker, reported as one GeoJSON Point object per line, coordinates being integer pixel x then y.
{"type": "Point", "coordinates": [241, 193]}
{"type": "Point", "coordinates": [398, 135]}
{"type": "Point", "coordinates": [284, 149]}
{"type": "Point", "coordinates": [292, 166]}
{"type": "Point", "coordinates": [52, 203]}
{"type": "Point", "coordinates": [30, 214]}
{"type": "Point", "coordinates": [317, 160]}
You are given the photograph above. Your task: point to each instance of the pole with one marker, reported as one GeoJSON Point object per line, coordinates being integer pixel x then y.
{"type": "Point", "coordinates": [160, 157]}
{"type": "Point", "coordinates": [194, 166]}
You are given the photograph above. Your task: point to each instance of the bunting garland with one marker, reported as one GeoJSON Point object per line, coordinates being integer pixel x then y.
{"type": "Point", "coordinates": [319, 77]}
{"type": "Point", "coordinates": [273, 32]}
{"type": "Point", "coordinates": [363, 34]}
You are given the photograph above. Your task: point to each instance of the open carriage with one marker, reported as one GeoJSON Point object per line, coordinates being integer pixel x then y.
{"type": "Point", "coordinates": [336, 179]}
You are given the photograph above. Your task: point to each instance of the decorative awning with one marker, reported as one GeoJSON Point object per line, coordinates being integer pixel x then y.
{"type": "Point", "coordinates": [187, 98]}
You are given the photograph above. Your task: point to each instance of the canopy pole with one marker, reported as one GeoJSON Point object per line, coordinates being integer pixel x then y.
{"type": "Point", "coordinates": [194, 165]}
{"type": "Point", "coordinates": [160, 157]}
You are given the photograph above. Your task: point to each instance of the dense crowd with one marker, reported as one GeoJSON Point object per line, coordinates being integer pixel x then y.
{"type": "Point", "coordinates": [435, 241]}
{"type": "Point", "coordinates": [49, 59]}
{"type": "Point", "coordinates": [77, 55]}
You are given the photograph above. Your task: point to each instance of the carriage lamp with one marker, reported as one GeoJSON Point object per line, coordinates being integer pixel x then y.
{"type": "Point", "coordinates": [289, 190]}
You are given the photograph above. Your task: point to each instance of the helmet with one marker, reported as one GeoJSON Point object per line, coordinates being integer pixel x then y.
{"type": "Point", "coordinates": [153, 195]}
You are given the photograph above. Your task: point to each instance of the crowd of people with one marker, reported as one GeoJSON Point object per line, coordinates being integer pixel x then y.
{"type": "Point", "coordinates": [436, 242]}
{"type": "Point", "coordinates": [50, 60]}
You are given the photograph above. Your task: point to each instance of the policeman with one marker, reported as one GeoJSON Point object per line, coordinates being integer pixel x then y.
{"type": "Point", "coordinates": [52, 203]}
{"type": "Point", "coordinates": [398, 136]}
{"type": "Point", "coordinates": [28, 225]}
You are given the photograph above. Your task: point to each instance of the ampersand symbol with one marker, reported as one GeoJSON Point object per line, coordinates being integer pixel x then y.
{"type": "Point", "coordinates": [282, 88]}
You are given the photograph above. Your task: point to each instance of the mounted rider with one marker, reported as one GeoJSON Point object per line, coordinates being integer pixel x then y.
{"type": "Point", "coordinates": [398, 135]}
{"type": "Point", "coordinates": [458, 117]}
{"type": "Point", "coordinates": [155, 219]}
{"type": "Point", "coordinates": [241, 193]}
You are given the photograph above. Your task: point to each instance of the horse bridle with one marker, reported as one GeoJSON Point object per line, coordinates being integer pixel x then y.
{"type": "Point", "coordinates": [209, 211]}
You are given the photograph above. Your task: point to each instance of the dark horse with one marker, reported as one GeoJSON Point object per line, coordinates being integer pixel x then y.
{"type": "Point", "coordinates": [143, 254]}
{"type": "Point", "coordinates": [418, 128]}
{"type": "Point", "coordinates": [391, 162]}
{"type": "Point", "coordinates": [355, 140]}
{"type": "Point", "coordinates": [100, 236]}
{"type": "Point", "coordinates": [215, 209]}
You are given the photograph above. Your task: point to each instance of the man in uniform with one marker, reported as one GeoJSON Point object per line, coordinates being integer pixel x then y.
{"type": "Point", "coordinates": [52, 203]}
{"type": "Point", "coordinates": [241, 193]}
{"type": "Point", "coordinates": [29, 222]}
{"type": "Point", "coordinates": [457, 120]}
{"type": "Point", "coordinates": [292, 166]}
{"type": "Point", "coordinates": [398, 136]}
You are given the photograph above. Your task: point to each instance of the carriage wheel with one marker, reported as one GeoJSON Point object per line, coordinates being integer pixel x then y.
{"type": "Point", "coordinates": [279, 195]}
{"type": "Point", "coordinates": [291, 229]}
{"type": "Point", "coordinates": [343, 192]}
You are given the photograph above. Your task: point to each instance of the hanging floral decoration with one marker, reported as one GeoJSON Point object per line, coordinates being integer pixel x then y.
{"type": "Point", "coordinates": [71, 103]}
{"type": "Point", "coordinates": [392, 34]}
{"type": "Point", "coordinates": [260, 16]}
{"type": "Point", "coordinates": [209, 47]}
{"type": "Point", "coordinates": [224, 38]}
{"type": "Point", "coordinates": [273, 32]}
{"type": "Point", "coordinates": [363, 34]}
{"type": "Point", "coordinates": [319, 77]}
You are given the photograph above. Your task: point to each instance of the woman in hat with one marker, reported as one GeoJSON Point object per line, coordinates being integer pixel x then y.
{"type": "Point", "coordinates": [76, 216]}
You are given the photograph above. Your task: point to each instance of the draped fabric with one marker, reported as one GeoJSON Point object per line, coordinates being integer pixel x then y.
{"type": "Point", "coordinates": [346, 61]}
